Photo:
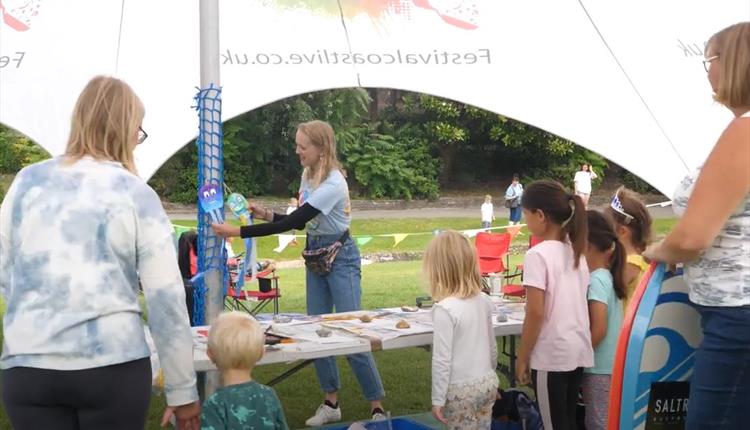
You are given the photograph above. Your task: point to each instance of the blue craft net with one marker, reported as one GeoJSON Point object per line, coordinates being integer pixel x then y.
{"type": "Point", "coordinates": [211, 252]}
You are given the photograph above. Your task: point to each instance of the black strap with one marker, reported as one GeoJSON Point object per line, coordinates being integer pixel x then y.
{"type": "Point", "coordinates": [344, 237]}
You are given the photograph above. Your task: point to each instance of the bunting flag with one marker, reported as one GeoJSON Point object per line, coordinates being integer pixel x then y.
{"type": "Point", "coordinates": [284, 241]}
{"type": "Point", "coordinates": [179, 229]}
{"type": "Point", "coordinates": [513, 230]}
{"type": "Point", "coordinates": [364, 240]}
{"type": "Point", "coordinates": [398, 238]}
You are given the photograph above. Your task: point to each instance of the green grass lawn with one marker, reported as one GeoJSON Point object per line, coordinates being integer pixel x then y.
{"type": "Point", "coordinates": [365, 227]}
{"type": "Point", "coordinates": [368, 227]}
{"type": "Point", "coordinates": [405, 372]}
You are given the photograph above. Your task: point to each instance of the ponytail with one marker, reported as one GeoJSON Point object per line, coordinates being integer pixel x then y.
{"type": "Point", "coordinates": [603, 238]}
{"type": "Point", "coordinates": [617, 268]}
{"type": "Point", "coordinates": [576, 227]}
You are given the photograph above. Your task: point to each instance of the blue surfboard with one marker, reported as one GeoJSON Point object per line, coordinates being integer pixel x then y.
{"type": "Point", "coordinates": [659, 359]}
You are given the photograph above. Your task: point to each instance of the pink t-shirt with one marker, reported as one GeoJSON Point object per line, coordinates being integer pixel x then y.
{"type": "Point", "coordinates": [564, 343]}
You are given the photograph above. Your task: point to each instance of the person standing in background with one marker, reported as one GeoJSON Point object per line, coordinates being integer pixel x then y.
{"type": "Point", "coordinates": [513, 200]}
{"type": "Point", "coordinates": [582, 182]}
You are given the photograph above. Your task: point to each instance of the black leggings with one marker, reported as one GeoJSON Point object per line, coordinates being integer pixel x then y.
{"type": "Point", "coordinates": [112, 397]}
{"type": "Point", "coordinates": [557, 396]}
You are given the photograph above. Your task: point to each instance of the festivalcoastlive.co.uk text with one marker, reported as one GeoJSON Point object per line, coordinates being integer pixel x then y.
{"type": "Point", "coordinates": [331, 57]}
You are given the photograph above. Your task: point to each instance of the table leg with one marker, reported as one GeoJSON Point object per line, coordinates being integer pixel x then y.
{"type": "Point", "coordinates": [289, 372]}
{"type": "Point", "coordinates": [508, 369]}
{"type": "Point", "coordinates": [512, 373]}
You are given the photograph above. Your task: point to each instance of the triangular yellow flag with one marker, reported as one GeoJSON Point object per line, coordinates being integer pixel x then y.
{"type": "Point", "coordinates": [398, 238]}
{"type": "Point", "coordinates": [513, 231]}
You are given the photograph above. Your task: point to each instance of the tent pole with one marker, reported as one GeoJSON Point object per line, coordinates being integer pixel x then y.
{"type": "Point", "coordinates": [209, 76]}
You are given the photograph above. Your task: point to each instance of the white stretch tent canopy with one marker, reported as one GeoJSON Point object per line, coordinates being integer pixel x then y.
{"type": "Point", "coordinates": [622, 78]}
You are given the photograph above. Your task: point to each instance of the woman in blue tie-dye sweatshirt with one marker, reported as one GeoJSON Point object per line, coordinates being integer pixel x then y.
{"type": "Point", "coordinates": [76, 234]}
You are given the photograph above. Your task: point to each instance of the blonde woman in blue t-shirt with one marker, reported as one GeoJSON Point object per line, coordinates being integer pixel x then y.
{"type": "Point", "coordinates": [325, 211]}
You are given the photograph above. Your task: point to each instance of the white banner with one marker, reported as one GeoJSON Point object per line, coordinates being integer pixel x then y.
{"type": "Point", "coordinates": [622, 78]}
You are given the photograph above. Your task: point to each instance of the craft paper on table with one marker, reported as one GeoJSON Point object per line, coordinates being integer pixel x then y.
{"type": "Point", "coordinates": [307, 333]}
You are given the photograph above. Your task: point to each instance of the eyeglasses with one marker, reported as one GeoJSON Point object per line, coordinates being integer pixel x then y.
{"type": "Point", "coordinates": [707, 62]}
{"type": "Point", "coordinates": [142, 135]}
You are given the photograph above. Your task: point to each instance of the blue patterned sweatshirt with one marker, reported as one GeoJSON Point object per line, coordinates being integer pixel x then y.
{"type": "Point", "coordinates": [74, 240]}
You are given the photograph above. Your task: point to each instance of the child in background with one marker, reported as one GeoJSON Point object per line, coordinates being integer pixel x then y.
{"type": "Point", "coordinates": [633, 226]}
{"type": "Point", "coordinates": [605, 256]}
{"type": "Point", "coordinates": [556, 339]}
{"type": "Point", "coordinates": [488, 212]}
{"type": "Point", "coordinates": [293, 205]}
{"type": "Point", "coordinates": [464, 352]}
{"type": "Point", "coordinates": [235, 343]}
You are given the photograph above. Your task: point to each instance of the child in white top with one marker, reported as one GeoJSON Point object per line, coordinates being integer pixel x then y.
{"type": "Point", "coordinates": [464, 355]}
{"type": "Point", "coordinates": [488, 212]}
{"type": "Point", "coordinates": [556, 340]}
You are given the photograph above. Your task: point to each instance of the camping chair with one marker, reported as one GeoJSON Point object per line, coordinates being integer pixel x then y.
{"type": "Point", "coordinates": [517, 290]}
{"type": "Point", "coordinates": [240, 299]}
{"type": "Point", "coordinates": [187, 260]}
{"type": "Point", "coordinates": [491, 249]}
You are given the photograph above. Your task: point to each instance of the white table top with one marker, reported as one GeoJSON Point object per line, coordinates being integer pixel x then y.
{"type": "Point", "coordinates": [305, 347]}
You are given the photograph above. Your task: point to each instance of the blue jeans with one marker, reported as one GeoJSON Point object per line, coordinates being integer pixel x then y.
{"type": "Point", "coordinates": [341, 289]}
{"type": "Point", "coordinates": [515, 214]}
{"type": "Point", "coordinates": [720, 385]}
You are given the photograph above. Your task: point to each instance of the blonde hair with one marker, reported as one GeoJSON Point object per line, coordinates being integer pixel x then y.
{"type": "Point", "coordinates": [236, 341]}
{"type": "Point", "coordinates": [322, 137]}
{"type": "Point", "coordinates": [105, 122]}
{"type": "Point", "coordinates": [487, 197]}
{"type": "Point", "coordinates": [732, 45]}
{"type": "Point", "coordinates": [450, 266]}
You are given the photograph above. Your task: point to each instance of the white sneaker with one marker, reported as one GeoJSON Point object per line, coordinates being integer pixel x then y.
{"type": "Point", "coordinates": [324, 415]}
{"type": "Point", "coordinates": [377, 416]}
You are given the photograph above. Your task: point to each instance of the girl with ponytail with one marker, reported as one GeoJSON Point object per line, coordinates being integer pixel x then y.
{"type": "Point", "coordinates": [556, 338]}
{"type": "Point", "coordinates": [606, 259]}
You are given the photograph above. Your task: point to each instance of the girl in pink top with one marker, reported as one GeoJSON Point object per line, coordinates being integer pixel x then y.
{"type": "Point", "coordinates": [556, 340]}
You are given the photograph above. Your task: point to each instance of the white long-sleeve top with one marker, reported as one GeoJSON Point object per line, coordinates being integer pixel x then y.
{"type": "Point", "coordinates": [74, 240]}
{"type": "Point", "coordinates": [488, 212]}
{"type": "Point", "coordinates": [464, 348]}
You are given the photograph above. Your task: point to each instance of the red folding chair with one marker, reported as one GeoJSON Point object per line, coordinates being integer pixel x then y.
{"type": "Point", "coordinates": [491, 248]}
{"type": "Point", "coordinates": [254, 301]}
{"type": "Point", "coordinates": [517, 290]}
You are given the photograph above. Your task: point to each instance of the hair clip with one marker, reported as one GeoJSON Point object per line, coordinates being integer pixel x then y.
{"type": "Point", "coordinates": [616, 206]}
{"type": "Point", "coordinates": [570, 218]}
